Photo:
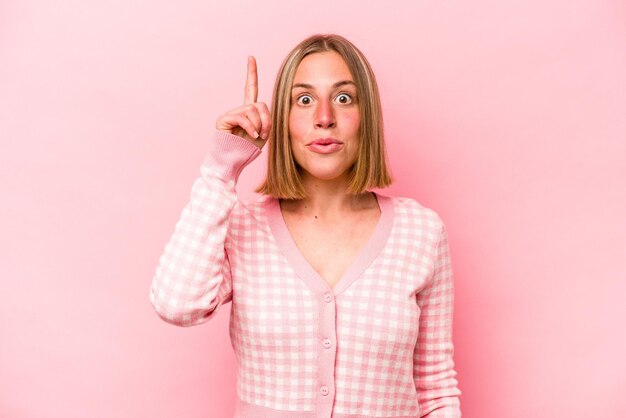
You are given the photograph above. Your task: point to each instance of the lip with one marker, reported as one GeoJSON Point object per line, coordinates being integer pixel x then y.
{"type": "Point", "coordinates": [325, 146]}
{"type": "Point", "coordinates": [325, 141]}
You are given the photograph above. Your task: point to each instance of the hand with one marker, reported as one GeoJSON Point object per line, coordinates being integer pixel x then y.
{"type": "Point", "coordinates": [251, 121]}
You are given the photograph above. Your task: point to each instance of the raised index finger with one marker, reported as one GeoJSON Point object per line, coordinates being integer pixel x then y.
{"type": "Point", "coordinates": [252, 88]}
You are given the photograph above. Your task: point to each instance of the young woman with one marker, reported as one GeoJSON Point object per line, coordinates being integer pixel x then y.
{"type": "Point", "coordinates": [342, 298]}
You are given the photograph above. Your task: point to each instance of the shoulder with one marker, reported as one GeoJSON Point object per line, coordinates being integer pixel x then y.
{"type": "Point", "coordinates": [250, 208]}
{"type": "Point", "coordinates": [414, 219]}
{"type": "Point", "coordinates": [410, 207]}
{"type": "Point", "coordinates": [250, 212]}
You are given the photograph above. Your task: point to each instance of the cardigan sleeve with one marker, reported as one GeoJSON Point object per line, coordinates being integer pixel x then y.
{"type": "Point", "coordinates": [433, 365]}
{"type": "Point", "coordinates": [192, 278]}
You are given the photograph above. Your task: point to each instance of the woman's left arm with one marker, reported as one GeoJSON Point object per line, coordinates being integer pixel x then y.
{"type": "Point", "coordinates": [433, 367]}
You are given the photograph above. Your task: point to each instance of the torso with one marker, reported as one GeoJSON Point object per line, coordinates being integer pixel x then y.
{"type": "Point", "coordinates": [331, 246]}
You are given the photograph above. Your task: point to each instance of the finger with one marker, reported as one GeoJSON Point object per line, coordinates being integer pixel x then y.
{"type": "Point", "coordinates": [258, 113]}
{"type": "Point", "coordinates": [253, 116]}
{"type": "Point", "coordinates": [266, 119]}
{"type": "Point", "coordinates": [252, 89]}
{"type": "Point", "coordinates": [251, 112]}
{"type": "Point", "coordinates": [247, 125]}
{"type": "Point", "coordinates": [231, 121]}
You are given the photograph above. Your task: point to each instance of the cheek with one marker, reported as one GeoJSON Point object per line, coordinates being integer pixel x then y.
{"type": "Point", "coordinates": [295, 125]}
{"type": "Point", "coordinates": [352, 120]}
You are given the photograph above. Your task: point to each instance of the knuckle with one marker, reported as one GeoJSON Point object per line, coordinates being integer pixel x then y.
{"type": "Point", "coordinates": [253, 113]}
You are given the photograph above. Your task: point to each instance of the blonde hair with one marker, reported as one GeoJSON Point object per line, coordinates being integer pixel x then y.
{"type": "Point", "coordinates": [370, 169]}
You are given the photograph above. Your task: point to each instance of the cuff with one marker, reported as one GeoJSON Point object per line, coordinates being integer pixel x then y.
{"type": "Point", "coordinates": [228, 154]}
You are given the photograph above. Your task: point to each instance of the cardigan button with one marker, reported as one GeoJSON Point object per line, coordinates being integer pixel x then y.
{"type": "Point", "coordinates": [327, 343]}
{"type": "Point", "coordinates": [324, 390]}
{"type": "Point", "coordinates": [328, 297]}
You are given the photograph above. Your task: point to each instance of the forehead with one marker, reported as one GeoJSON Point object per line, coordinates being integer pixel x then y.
{"type": "Point", "coordinates": [322, 68]}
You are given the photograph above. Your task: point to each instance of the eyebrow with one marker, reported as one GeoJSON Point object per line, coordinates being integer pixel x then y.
{"type": "Point", "coordinates": [337, 84]}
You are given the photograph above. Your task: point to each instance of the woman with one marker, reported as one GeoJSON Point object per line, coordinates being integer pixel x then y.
{"type": "Point", "coordinates": [342, 298]}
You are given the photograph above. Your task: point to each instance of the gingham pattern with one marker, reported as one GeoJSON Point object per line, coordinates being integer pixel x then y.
{"type": "Point", "coordinates": [377, 345]}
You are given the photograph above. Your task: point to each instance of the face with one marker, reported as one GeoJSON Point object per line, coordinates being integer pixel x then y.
{"type": "Point", "coordinates": [324, 117]}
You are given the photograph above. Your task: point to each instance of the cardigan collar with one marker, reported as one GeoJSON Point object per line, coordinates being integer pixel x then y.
{"type": "Point", "coordinates": [360, 263]}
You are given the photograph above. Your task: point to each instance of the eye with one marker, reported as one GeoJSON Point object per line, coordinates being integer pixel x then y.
{"type": "Point", "coordinates": [305, 99]}
{"type": "Point", "coordinates": [344, 98]}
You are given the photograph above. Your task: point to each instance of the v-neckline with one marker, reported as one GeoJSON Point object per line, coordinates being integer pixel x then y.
{"type": "Point", "coordinates": [359, 264]}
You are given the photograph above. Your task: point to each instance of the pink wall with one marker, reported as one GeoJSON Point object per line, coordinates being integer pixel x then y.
{"type": "Point", "coordinates": [508, 118]}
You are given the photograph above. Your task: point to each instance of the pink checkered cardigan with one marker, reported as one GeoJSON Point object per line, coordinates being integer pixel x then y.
{"type": "Point", "coordinates": [378, 344]}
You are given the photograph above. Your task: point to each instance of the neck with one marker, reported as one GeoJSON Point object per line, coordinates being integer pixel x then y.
{"type": "Point", "coordinates": [328, 198]}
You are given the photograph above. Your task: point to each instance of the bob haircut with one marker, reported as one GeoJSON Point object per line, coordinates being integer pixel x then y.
{"type": "Point", "coordinates": [370, 169]}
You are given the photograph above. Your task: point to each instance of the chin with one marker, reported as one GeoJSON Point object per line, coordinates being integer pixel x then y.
{"type": "Point", "coordinates": [326, 175]}
{"type": "Point", "coordinates": [329, 168]}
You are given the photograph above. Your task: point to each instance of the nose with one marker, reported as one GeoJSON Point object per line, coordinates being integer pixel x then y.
{"type": "Point", "coordinates": [324, 115]}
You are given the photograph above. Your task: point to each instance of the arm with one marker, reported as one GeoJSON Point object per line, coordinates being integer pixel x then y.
{"type": "Point", "coordinates": [192, 279]}
{"type": "Point", "coordinates": [433, 367]}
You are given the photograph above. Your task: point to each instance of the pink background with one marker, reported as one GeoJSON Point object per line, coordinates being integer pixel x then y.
{"type": "Point", "coordinates": [508, 119]}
